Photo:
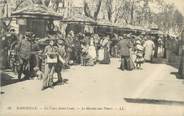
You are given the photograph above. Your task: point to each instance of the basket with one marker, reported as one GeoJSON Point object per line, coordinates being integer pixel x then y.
{"type": "Point", "coordinates": [52, 58]}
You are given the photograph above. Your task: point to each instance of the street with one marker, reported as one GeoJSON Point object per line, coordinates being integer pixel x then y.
{"type": "Point", "coordinates": [87, 88]}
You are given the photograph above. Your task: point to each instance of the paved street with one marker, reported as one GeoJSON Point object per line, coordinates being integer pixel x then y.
{"type": "Point", "coordinates": [153, 89]}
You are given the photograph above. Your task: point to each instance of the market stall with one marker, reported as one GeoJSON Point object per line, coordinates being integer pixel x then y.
{"type": "Point", "coordinates": [36, 18]}
{"type": "Point", "coordinates": [79, 23]}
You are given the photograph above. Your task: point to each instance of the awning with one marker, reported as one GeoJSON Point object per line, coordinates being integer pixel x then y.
{"type": "Point", "coordinates": [104, 23]}
{"type": "Point", "coordinates": [36, 11]}
{"type": "Point", "coordinates": [79, 19]}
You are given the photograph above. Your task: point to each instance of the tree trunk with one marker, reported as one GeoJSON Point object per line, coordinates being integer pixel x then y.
{"type": "Point", "coordinates": [47, 2]}
{"type": "Point", "coordinates": [87, 10]}
{"type": "Point", "coordinates": [98, 9]}
{"type": "Point", "coordinates": [37, 1]}
{"type": "Point", "coordinates": [109, 9]}
{"type": "Point", "coordinates": [132, 13]}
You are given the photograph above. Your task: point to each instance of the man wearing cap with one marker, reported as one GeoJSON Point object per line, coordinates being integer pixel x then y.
{"type": "Point", "coordinates": [61, 58]}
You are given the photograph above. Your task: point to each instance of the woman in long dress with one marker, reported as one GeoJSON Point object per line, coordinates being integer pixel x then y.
{"type": "Point", "coordinates": [92, 51]}
{"type": "Point", "coordinates": [149, 47]}
{"type": "Point", "coordinates": [160, 48]}
{"type": "Point", "coordinates": [104, 55]}
{"type": "Point", "coordinates": [86, 58]}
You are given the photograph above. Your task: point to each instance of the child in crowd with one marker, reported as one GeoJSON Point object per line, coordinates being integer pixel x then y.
{"type": "Point", "coordinates": [84, 54]}
{"type": "Point", "coordinates": [139, 55]}
{"type": "Point", "coordinates": [38, 73]}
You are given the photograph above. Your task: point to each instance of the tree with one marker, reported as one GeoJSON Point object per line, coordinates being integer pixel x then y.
{"type": "Point", "coordinates": [56, 4]}
{"type": "Point", "coordinates": [178, 20]}
{"type": "Point", "coordinates": [125, 12]}
{"type": "Point", "coordinates": [47, 2]}
{"type": "Point", "coordinates": [110, 11]}
{"type": "Point", "coordinates": [114, 7]}
{"type": "Point", "coordinates": [88, 12]}
{"type": "Point", "coordinates": [37, 1]}
{"type": "Point", "coordinates": [6, 27]}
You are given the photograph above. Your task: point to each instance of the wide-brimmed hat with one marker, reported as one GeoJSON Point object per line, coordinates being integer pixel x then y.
{"type": "Point", "coordinates": [60, 41]}
{"type": "Point", "coordinates": [12, 30]}
{"type": "Point", "coordinates": [120, 37]}
{"type": "Point", "coordinates": [129, 36]}
{"type": "Point", "coordinates": [71, 33]}
{"type": "Point", "coordinates": [138, 42]}
{"type": "Point", "coordinates": [140, 47]}
{"type": "Point", "coordinates": [28, 34]}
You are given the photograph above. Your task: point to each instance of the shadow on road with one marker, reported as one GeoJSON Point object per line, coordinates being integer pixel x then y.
{"type": "Point", "coordinates": [178, 76]}
{"type": "Point", "coordinates": [154, 101]}
{"type": "Point", "coordinates": [65, 81]}
{"type": "Point", "coordinates": [2, 92]}
{"type": "Point", "coordinates": [7, 79]}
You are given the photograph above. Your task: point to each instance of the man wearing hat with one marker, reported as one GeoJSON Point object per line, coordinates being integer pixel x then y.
{"type": "Point", "coordinates": [24, 52]}
{"type": "Point", "coordinates": [124, 46]}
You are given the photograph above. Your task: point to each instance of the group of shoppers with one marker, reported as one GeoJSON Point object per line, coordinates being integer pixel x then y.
{"type": "Point", "coordinates": [142, 47]}
{"type": "Point", "coordinates": [52, 54]}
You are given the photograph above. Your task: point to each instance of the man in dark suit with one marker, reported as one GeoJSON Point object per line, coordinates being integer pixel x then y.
{"type": "Point", "coordinates": [124, 46]}
{"type": "Point", "coordinates": [24, 52]}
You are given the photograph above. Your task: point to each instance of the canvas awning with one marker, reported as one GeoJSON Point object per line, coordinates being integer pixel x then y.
{"type": "Point", "coordinates": [36, 11]}
{"type": "Point", "coordinates": [104, 23]}
{"type": "Point", "coordinates": [79, 19]}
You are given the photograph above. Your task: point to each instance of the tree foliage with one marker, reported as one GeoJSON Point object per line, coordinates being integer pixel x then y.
{"type": "Point", "coordinates": [96, 9]}
{"type": "Point", "coordinates": [134, 12]}
{"type": "Point", "coordinates": [139, 12]}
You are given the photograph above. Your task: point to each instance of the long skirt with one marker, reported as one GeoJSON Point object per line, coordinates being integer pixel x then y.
{"type": "Point", "coordinates": [92, 52]}
{"type": "Point", "coordinates": [148, 56]}
{"type": "Point", "coordinates": [48, 75]}
{"type": "Point", "coordinates": [87, 60]}
{"type": "Point", "coordinates": [106, 59]}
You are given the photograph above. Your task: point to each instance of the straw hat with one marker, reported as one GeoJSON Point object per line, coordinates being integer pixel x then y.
{"type": "Point", "coordinates": [139, 47]}
{"type": "Point", "coordinates": [60, 41]}
{"type": "Point", "coordinates": [120, 37]}
{"type": "Point", "coordinates": [138, 42]}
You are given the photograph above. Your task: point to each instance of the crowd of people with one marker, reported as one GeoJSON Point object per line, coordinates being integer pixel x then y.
{"type": "Point", "coordinates": [41, 58]}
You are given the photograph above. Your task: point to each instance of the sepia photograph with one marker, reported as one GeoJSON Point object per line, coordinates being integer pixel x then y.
{"type": "Point", "coordinates": [91, 57]}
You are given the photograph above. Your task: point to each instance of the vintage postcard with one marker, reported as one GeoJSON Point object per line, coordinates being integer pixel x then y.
{"type": "Point", "coordinates": [91, 57]}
